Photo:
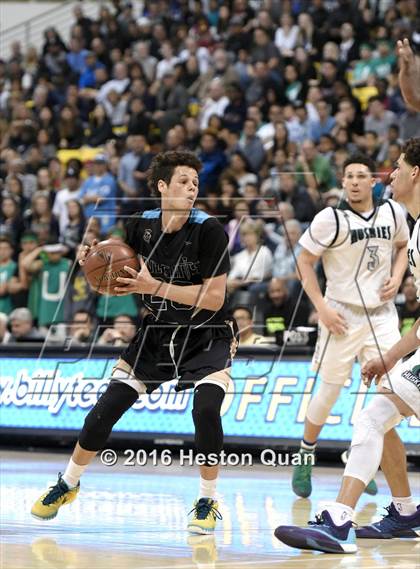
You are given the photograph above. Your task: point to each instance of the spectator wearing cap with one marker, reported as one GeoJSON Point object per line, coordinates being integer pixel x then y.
{"type": "Point", "coordinates": [22, 327]}
{"type": "Point", "coordinates": [98, 194]}
{"type": "Point", "coordinates": [69, 192]}
{"type": "Point", "coordinates": [47, 290]}
{"type": "Point", "coordinates": [7, 271]}
{"type": "Point", "coordinates": [4, 332]}
{"type": "Point", "coordinates": [254, 263]}
{"type": "Point", "coordinates": [250, 144]}
{"type": "Point", "coordinates": [100, 127]}
{"type": "Point", "coordinates": [213, 159]}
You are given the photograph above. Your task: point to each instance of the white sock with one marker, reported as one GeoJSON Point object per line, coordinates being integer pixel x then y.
{"type": "Point", "coordinates": [405, 506]}
{"type": "Point", "coordinates": [73, 473]}
{"type": "Point", "coordinates": [207, 488]}
{"type": "Point", "coordinates": [307, 447]}
{"type": "Point", "coordinates": [340, 513]}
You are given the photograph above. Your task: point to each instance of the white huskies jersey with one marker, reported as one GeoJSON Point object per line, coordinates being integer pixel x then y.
{"type": "Point", "coordinates": [356, 249]}
{"type": "Point", "coordinates": [414, 255]}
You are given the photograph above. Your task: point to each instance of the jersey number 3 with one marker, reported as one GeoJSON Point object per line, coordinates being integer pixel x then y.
{"type": "Point", "coordinates": [373, 261]}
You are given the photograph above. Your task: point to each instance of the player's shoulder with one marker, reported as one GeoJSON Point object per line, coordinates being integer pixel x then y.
{"type": "Point", "coordinates": [204, 221]}
{"type": "Point", "coordinates": [199, 217]}
{"type": "Point", "coordinates": [326, 215]}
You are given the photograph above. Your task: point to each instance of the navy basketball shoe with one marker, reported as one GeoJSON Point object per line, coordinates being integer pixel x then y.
{"type": "Point", "coordinates": [321, 535]}
{"type": "Point", "coordinates": [393, 524]}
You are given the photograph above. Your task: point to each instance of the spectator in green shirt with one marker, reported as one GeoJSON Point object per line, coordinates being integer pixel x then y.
{"type": "Point", "coordinates": [7, 270]}
{"type": "Point", "coordinates": [313, 170]}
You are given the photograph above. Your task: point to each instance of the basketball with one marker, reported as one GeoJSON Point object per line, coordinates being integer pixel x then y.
{"type": "Point", "coordinates": [105, 263]}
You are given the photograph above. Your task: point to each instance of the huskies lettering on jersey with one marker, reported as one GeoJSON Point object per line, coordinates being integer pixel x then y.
{"type": "Point", "coordinates": [413, 375]}
{"type": "Point", "coordinates": [183, 270]}
{"type": "Point", "coordinates": [382, 232]}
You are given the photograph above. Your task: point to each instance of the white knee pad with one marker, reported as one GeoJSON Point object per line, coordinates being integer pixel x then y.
{"type": "Point", "coordinates": [379, 417]}
{"type": "Point", "coordinates": [322, 402]}
{"type": "Point", "coordinates": [124, 376]}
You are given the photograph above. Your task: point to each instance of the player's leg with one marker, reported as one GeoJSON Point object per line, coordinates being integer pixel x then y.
{"type": "Point", "coordinates": [333, 530]}
{"type": "Point", "coordinates": [121, 393]}
{"type": "Point", "coordinates": [209, 394]}
{"type": "Point", "coordinates": [333, 360]}
{"type": "Point", "coordinates": [384, 333]}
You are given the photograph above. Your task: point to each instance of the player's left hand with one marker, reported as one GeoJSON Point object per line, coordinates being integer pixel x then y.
{"type": "Point", "coordinates": [376, 368]}
{"type": "Point", "coordinates": [405, 54]}
{"type": "Point", "coordinates": [389, 289]}
{"type": "Point", "coordinates": [140, 282]}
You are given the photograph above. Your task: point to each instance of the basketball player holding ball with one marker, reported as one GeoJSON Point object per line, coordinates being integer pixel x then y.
{"type": "Point", "coordinates": [188, 334]}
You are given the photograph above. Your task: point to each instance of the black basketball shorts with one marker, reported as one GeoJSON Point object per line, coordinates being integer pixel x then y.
{"type": "Point", "coordinates": [160, 352]}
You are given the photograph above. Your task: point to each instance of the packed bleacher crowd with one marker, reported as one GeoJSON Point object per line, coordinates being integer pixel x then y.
{"type": "Point", "coordinates": [272, 96]}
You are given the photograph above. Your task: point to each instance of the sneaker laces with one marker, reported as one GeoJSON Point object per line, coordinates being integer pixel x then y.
{"type": "Point", "coordinates": [320, 521]}
{"type": "Point", "coordinates": [205, 507]}
{"type": "Point", "coordinates": [56, 491]}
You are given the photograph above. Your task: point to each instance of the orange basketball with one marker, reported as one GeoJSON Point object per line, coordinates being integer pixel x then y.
{"type": "Point", "coordinates": [105, 263]}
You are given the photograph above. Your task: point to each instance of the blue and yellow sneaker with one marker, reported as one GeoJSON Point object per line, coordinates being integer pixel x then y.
{"type": "Point", "coordinates": [205, 515]}
{"type": "Point", "coordinates": [323, 535]}
{"type": "Point", "coordinates": [47, 506]}
{"type": "Point", "coordinates": [393, 524]}
{"type": "Point", "coordinates": [301, 479]}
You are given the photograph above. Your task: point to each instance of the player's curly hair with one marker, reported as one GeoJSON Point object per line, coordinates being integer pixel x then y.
{"type": "Point", "coordinates": [411, 151]}
{"type": "Point", "coordinates": [163, 166]}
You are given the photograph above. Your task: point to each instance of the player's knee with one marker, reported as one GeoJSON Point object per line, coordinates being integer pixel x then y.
{"type": "Point", "coordinates": [208, 399]}
{"type": "Point", "coordinates": [377, 418]}
{"type": "Point", "coordinates": [108, 410]}
{"type": "Point", "coordinates": [323, 401]}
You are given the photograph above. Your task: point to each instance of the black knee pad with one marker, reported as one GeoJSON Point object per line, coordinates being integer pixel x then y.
{"type": "Point", "coordinates": [112, 404]}
{"type": "Point", "coordinates": [208, 399]}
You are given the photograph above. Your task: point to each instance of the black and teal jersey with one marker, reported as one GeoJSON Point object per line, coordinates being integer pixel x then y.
{"type": "Point", "coordinates": [198, 251]}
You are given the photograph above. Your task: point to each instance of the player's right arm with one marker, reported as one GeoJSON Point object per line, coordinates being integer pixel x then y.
{"type": "Point", "coordinates": [331, 319]}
